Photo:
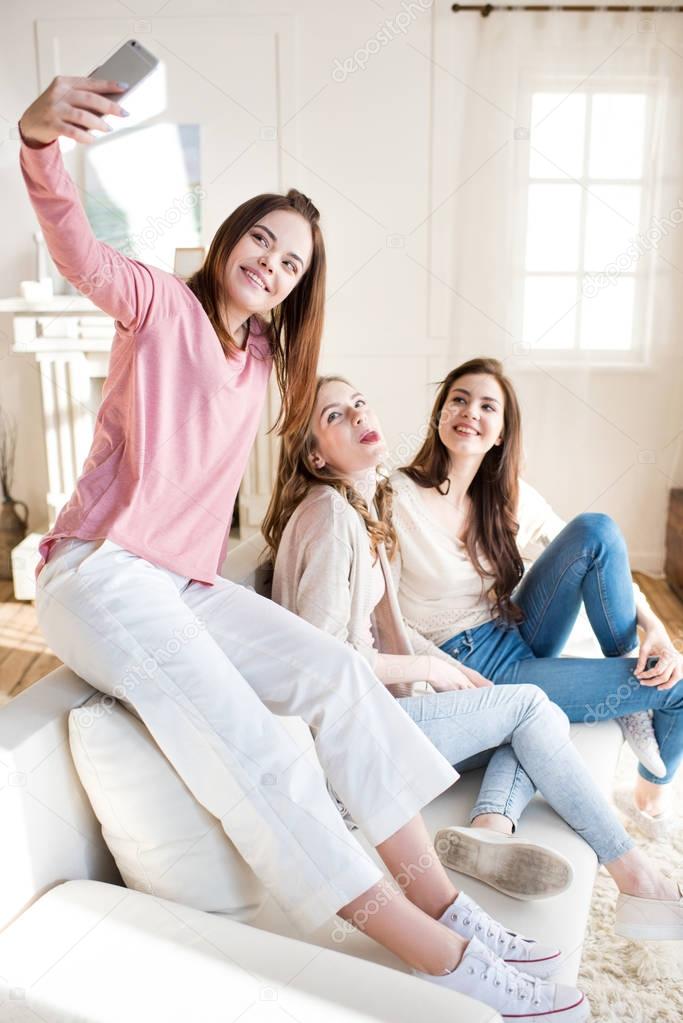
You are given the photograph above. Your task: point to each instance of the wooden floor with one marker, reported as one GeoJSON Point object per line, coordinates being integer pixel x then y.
{"type": "Point", "coordinates": [24, 656]}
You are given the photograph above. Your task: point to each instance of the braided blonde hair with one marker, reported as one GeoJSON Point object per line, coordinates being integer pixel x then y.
{"type": "Point", "coordinates": [297, 475]}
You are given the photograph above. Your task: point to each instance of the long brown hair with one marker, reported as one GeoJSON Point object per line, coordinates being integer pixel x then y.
{"type": "Point", "coordinates": [492, 527]}
{"type": "Point", "coordinates": [296, 325]}
{"type": "Point", "coordinates": [297, 475]}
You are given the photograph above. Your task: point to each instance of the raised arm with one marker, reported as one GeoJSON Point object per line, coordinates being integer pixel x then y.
{"type": "Point", "coordinates": [120, 286]}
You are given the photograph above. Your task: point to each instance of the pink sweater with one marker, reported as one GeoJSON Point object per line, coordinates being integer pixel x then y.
{"type": "Point", "coordinates": [177, 419]}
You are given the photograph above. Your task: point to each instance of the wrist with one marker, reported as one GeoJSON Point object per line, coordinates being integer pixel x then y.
{"type": "Point", "coordinates": [651, 625]}
{"type": "Point", "coordinates": [28, 141]}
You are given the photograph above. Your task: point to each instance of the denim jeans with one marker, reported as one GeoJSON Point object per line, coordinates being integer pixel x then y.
{"type": "Point", "coordinates": [587, 562]}
{"type": "Point", "coordinates": [465, 723]}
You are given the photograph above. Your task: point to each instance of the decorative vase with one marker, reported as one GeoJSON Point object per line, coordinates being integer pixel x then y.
{"type": "Point", "coordinates": [12, 531]}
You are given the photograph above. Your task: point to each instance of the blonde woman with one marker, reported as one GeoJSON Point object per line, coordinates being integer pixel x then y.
{"type": "Point", "coordinates": [330, 530]}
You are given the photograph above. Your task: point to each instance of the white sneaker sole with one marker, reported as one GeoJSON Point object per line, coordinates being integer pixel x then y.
{"type": "Point", "coordinates": [521, 870]}
{"type": "Point", "coordinates": [649, 932]}
{"type": "Point", "coordinates": [541, 968]}
{"type": "Point", "coordinates": [578, 1013]}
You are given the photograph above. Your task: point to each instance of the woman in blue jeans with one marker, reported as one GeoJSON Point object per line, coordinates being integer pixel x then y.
{"type": "Point", "coordinates": [329, 528]}
{"type": "Point", "coordinates": [462, 517]}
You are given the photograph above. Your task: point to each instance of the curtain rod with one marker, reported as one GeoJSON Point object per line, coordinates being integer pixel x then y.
{"type": "Point", "coordinates": [486, 9]}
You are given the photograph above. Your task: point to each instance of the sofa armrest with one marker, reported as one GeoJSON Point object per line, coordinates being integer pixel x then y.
{"type": "Point", "coordinates": [92, 951]}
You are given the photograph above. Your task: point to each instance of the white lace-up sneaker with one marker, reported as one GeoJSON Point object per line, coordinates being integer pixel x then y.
{"type": "Point", "coordinates": [650, 919]}
{"type": "Point", "coordinates": [481, 975]}
{"type": "Point", "coordinates": [639, 733]}
{"type": "Point", "coordinates": [657, 828]}
{"type": "Point", "coordinates": [469, 920]}
{"type": "Point", "coordinates": [523, 870]}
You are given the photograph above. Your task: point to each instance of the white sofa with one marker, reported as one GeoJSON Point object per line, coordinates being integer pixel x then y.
{"type": "Point", "coordinates": [77, 945]}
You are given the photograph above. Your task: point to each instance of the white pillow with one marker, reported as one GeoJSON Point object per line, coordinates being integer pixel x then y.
{"type": "Point", "coordinates": [163, 841]}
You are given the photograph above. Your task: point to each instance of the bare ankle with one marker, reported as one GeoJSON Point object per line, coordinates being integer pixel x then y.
{"type": "Point", "coordinates": [635, 876]}
{"type": "Point", "coordinates": [449, 962]}
{"type": "Point", "coordinates": [650, 798]}
{"type": "Point", "coordinates": [493, 822]}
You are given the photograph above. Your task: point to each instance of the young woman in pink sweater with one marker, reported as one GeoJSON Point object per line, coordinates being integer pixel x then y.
{"type": "Point", "coordinates": [129, 597]}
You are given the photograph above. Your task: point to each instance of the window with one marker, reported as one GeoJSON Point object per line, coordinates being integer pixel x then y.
{"type": "Point", "coordinates": [586, 200]}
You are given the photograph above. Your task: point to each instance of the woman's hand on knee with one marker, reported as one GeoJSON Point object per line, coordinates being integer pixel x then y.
{"type": "Point", "coordinates": [446, 677]}
{"type": "Point", "coordinates": [669, 667]}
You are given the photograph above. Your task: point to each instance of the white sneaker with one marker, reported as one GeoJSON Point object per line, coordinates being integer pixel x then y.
{"type": "Point", "coordinates": [639, 733]}
{"type": "Point", "coordinates": [657, 828]}
{"type": "Point", "coordinates": [650, 919]}
{"type": "Point", "coordinates": [521, 869]}
{"type": "Point", "coordinates": [469, 920]}
{"type": "Point", "coordinates": [481, 975]}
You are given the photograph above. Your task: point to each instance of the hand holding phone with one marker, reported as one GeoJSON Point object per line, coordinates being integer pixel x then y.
{"type": "Point", "coordinates": [71, 107]}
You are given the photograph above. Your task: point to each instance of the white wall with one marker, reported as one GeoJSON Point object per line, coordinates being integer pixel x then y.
{"type": "Point", "coordinates": [363, 150]}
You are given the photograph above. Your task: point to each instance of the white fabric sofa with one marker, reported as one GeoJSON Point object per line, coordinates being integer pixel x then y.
{"type": "Point", "coordinates": [77, 945]}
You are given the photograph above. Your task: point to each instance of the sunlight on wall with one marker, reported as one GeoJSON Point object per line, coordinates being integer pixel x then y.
{"type": "Point", "coordinates": [142, 191]}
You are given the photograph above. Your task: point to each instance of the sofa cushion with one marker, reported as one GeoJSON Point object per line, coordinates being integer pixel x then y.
{"type": "Point", "coordinates": [88, 951]}
{"type": "Point", "coordinates": [163, 841]}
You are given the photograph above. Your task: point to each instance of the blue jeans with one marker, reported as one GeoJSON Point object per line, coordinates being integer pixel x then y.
{"type": "Point", "coordinates": [464, 723]}
{"type": "Point", "coordinates": [587, 562]}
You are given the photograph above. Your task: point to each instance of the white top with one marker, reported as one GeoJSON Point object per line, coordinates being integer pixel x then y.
{"type": "Point", "coordinates": [440, 592]}
{"type": "Point", "coordinates": [377, 591]}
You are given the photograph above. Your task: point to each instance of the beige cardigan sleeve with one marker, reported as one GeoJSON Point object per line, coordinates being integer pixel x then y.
{"type": "Point", "coordinates": [313, 578]}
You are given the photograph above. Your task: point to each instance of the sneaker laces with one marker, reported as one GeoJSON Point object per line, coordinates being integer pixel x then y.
{"type": "Point", "coordinates": [516, 983]}
{"type": "Point", "coordinates": [484, 925]}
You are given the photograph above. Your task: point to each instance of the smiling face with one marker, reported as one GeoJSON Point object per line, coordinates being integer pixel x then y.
{"type": "Point", "coordinates": [472, 417]}
{"type": "Point", "coordinates": [347, 436]}
{"type": "Point", "coordinates": [267, 263]}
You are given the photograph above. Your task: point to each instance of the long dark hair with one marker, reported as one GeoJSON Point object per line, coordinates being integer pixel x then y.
{"type": "Point", "coordinates": [296, 325]}
{"type": "Point", "coordinates": [492, 528]}
{"type": "Point", "coordinates": [297, 475]}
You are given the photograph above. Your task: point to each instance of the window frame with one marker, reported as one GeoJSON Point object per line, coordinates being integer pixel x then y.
{"type": "Point", "coordinates": [565, 84]}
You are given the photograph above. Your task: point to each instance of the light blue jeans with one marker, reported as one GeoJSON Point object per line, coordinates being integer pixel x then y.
{"type": "Point", "coordinates": [462, 724]}
{"type": "Point", "coordinates": [587, 562]}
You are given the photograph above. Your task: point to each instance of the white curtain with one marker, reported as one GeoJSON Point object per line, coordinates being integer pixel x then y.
{"type": "Point", "coordinates": [539, 255]}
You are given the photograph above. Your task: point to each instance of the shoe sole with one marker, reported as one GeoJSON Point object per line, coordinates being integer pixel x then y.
{"type": "Point", "coordinates": [576, 1014]}
{"type": "Point", "coordinates": [541, 968]}
{"type": "Point", "coordinates": [650, 932]}
{"type": "Point", "coordinates": [521, 870]}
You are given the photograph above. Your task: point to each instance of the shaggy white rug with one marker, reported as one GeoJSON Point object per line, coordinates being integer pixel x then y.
{"type": "Point", "coordinates": [626, 981]}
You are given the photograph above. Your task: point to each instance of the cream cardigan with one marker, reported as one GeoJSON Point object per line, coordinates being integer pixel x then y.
{"type": "Point", "coordinates": [323, 573]}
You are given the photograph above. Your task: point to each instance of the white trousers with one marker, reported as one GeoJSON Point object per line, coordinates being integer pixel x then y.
{"type": "Point", "coordinates": [207, 669]}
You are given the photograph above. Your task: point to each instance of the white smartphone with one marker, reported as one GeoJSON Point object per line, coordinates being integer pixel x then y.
{"type": "Point", "coordinates": [131, 63]}
{"type": "Point", "coordinates": [143, 98]}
